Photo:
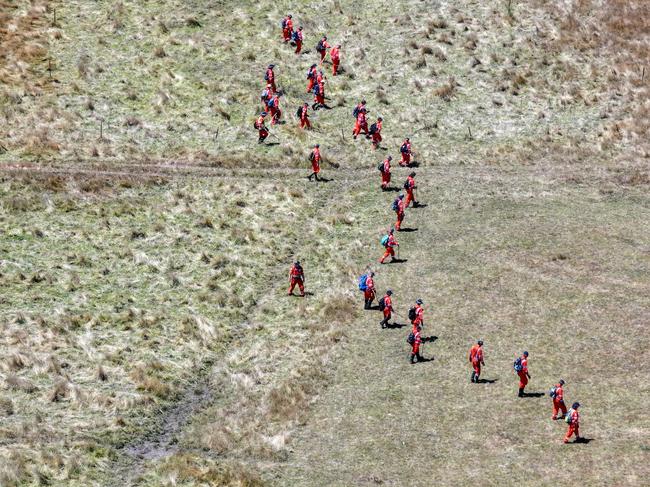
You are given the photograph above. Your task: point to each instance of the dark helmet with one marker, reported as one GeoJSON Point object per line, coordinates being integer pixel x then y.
{"type": "Point", "coordinates": [289, 16]}
{"type": "Point", "coordinates": [306, 104]}
{"type": "Point", "coordinates": [390, 158]}
{"type": "Point", "coordinates": [380, 119]}
{"type": "Point", "coordinates": [324, 38]}
{"type": "Point", "coordinates": [389, 292]}
{"type": "Point", "coordinates": [391, 231]}
{"type": "Point", "coordinates": [525, 353]}
{"type": "Point", "coordinates": [480, 342]}
{"type": "Point", "coordinates": [412, 174]}
{"type": "Point", "coordinates": [264, 114]}
{"type": "Point", "coordinates": [271, 66]}
{"type": "Point", "coordinates": [576, 405]}
{"type": "Point", "coordinates": [372, 274]}
{"type": "Point", "coordinates": [300, 28]}
{"type": "Point", "coordinates": [313, 65]}
{"type": "Point", "coordinates": [317, 146]}
{"type": "Point", "coordinates": [407, 139]}
{"type": "Point", "coordinates": [400, 196]}
{"type": "Point", "coordinates": [561, 382]}
{"type": "Point", "coordinates": [297, 262]}
{"type": "Point", "coordinates": [363, 102]}
{"type": "Point", "coordinates": [418, 301]}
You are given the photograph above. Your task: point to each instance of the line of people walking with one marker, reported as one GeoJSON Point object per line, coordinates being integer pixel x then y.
{"type": "Point", "coordinates": [366, 283]}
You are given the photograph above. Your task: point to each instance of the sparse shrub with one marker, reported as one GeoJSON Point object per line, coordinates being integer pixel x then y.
{"type": "Point", "coordinates": [440, 54]}
{"type": "Point", "coordinates": [446, 91]}
{"type": "Point", "coordinates": [20, 384]}
{"type": "Point", "coordinates": [159, 52]}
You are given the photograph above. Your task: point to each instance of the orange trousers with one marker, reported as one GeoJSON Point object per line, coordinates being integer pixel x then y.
{"type": "Point", "coordinates": [298, 282]}
{"type": "Point", "coordinates": [390, 251]}
{"type": "Point", "coordinates": [409, 197]}
{"type": "Point", "coordinates": [304, 122]}
{"type": "Point", "coordinates": [573, 430]}
{"type": "Point", "coordinates": [406, 159]}
{"type": "Point", "coordinates": [477, 368]}
{"type": "Point", "coordinates": [385, 179]}
{"type": "Point", "coordinates": [358, 127]}
{"type": "Point", "coordinates": [335, 66]}
{"type": "Point", "coordinates": [557, 407]}
{"type": "Point", "coordinates": [400, 219]}
{"type": "Point", "coordinates": [523, 379]}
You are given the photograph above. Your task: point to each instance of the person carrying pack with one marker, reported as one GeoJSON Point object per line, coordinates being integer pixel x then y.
{"type": "Point", "coordinates": [409, 186]}
{"type": "Point", "coordinates": [303, 116]}
{"type": "Point", "coordinates": [415, 340]}
{"type": "Point", "coordinates": [322, 47]}
{"type": "Point", "coordinates": [357, 109]}
{"type": "Point", "coordinates": [269, 77]}
{"type": "Point", "coordinates": [266, 95]}
{"type": "Point", "coordinates": [386, 307]}
{"type": "Point", "coordinates": [416, 315]}
{"type": "Point", "coordinates": [297, 38]}
{"type": "Point", "coordinates": [263, 132]}
{"type": "Point", "coordinates": [572, 418]}
{"type": "Point", "coordinates": [287, 28]}
{"type": "Point", "coordinates": [520, 366]}
{"type": "Point", "coordinates": [389, 243]}
{"type": "Point", "coordinates": [361, 123]}
{"type": "Point", "coordinates": [319, 96]}
{"type": "Point", "coordinates": [369, 290]}
{"type": "Point", "coordinates": [385, 173]}
{"type": "Point", "coordinates": [398, 208]}
{"type": "Point", "coordinates": [274, 108]}
{"type": "Point", "coordinates": [315, 158]}
{"type": "Point", "coordinates": [297, 277]}
{"type": "Point", "coordinates": [405, 150]}
{"type": "Point", "coordinates": [311, 78]}
{"type": "Point", "coordinates": [375, 132]}
{"type": "Point", "coordinates": [476, 359]}
{"type": "Point", "coordinates": [557, 394]}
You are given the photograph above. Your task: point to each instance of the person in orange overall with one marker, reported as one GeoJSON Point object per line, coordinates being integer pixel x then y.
{"type": "Point", "coordinates": [261, 128]}
{"type": "Point", "coordinates": [269, 77]}
{"type": "Point", "coordinates": [322, 48]}
{"type": "Point", "coordinates": [523, 374]}
{"type": "Point", "coordinates": [315, 159]}
{"type": "Point", "coordinates": [405, 149]}
{"type": "Point", "coordinates": [388, 309]}
{"type": "Point", "coordinates": [335, 56]}
{"type": "Point", "coordinates": [558, 400]}
{"type": "Point", "coordinates": [398, 207]}
{"type": "Point", "coordinates": [369, 293]}
{"type": "Point", "coordinates": [298, 38]}
{"type": "Point", "coordinates": [415, 347]}
{"type": "Point", "coordinates": [390, 247]}
{"type": "Point", "coordinates": [361, 124]}
{"type": "Point", "coordinates": [375, 131]}
{"type": "Point", "coordinates": [319, 96]}
{"type": "Point", "coordinates": [311, 78]}
{"type": "Point", "coordinates": [385, 173]}
{"type": "Point", "coordinates": [297, 277]}
{"type": "Point", "coordinates": [418, 320]}
{"type": "Point", "coordinates": [274, 108]}
{"type": "Point", "coordinates": [476, 359]}
{"type": "Point", "coordinates": [409, 186]}
{"type": "Point", "coordinates": [573, 419]}
{"type": "Point", "coordinates": [304, 117]}
{"type": "Point", "coordinates": [287, 28]}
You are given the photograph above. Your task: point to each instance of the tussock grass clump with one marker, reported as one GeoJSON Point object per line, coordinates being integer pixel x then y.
{"type": "Point", "coordinates": [446, 91]}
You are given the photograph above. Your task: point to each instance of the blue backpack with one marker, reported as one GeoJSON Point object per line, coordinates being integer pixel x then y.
{"type": "Point", "coordinates": [395, 205]}
{"type": "Point", "coordinates": [284, 23]}
{"type": "Point", "coordinates": [384, 240]}
{"type": "Point", "coordinates": [294, 36]}
{"type": "Point", "coordinates": [517, 365]}
{"type": "Point", "coordinates": [362, 282]}
{"type": "Point", "coordinates": [355, 112]}
{"type": "Point", "coordinates": [403, 149]}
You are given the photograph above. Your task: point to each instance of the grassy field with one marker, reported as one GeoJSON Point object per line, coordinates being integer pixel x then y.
{"type": "Point", "coordinates": [145, 241]}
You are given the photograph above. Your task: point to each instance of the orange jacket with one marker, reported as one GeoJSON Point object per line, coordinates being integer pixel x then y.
{"type": "Point", "coordinates": [476, 354]}
{"type": "Point", "coordinates": [334, 54]}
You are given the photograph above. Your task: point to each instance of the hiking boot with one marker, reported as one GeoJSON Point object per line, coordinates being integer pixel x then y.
{"type": "Point", "coordinates": [521, 392]}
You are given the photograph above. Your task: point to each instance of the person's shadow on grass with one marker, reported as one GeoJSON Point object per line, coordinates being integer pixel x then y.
{"type": "Point", "coordinates": [395, 325]}
{"type": "Point", "coordinates": [398, 261]}
{"type": "Point", "coordinates": [408, 230]}
{"type": "Point", "coordinates": [487, 381]}
{"type": "Point", "coordinates": [533, 394]}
